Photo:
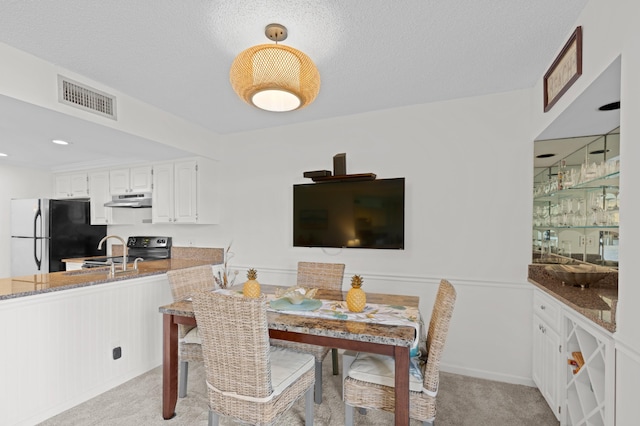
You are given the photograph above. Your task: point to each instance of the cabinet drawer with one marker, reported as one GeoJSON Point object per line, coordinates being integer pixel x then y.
{"type": "Point", "coordinates": [546, 308]}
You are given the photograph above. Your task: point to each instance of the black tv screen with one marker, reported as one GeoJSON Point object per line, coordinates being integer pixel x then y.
{"type": "Point", "coordinates": [354, 214]}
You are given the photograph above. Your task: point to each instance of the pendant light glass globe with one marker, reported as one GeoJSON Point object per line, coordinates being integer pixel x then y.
{"type": "Point", "coordinates": [276, 100]}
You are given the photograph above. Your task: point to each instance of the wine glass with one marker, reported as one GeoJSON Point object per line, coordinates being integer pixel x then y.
{"type": "Point", "coordinates": [570, 216]}
{"type": "Point", "coordinates": [613, 210]}
{"type": "Point", "coordinates": [595, 204]}
{"type": "Point", "coordinates": [579, 218]}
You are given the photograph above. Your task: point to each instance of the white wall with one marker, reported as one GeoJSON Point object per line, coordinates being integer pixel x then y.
{"type": "Point", "coordinates": [609, 31]}
{"type": "Point", "coordinates": [467, 165]}
{"type": "Point", "coordinates": [468, 170]}
{"type": "Point", "coordinates": [17, 182]}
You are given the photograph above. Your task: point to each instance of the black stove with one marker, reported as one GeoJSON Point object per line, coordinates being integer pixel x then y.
{"type": "Point", "coordinates": [147, 248]}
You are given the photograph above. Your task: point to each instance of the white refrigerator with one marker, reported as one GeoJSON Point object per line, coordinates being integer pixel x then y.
{"type": "Point", "coordinates": [45, 231]}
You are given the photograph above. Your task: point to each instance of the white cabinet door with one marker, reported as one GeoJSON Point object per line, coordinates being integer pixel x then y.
{"type": "Point", "coordinates": [62, 186]}
{"type": "Point", "coordinates": [537, 371]}
{"type": "Point", "coordinates": [130, 180]}
{"type": "Point", "coordinates": [100, 194]}
{"type": "Point", "coordinates": [546, 363]}
{"type": "Point", "coordinates": [79, 185]}
{"type": "Point", "coordinates": [119, 181]}
{"type": "Point", "coordinates": [185, 191]}
{"type": "Point", "coordinates": [547, 350]}
{"type": "Point", "coordinates": [140, 179]}
{"type": "Point", "coordinates": [163, 205]}
{"type": "Point", "coordinates": [71, 185]}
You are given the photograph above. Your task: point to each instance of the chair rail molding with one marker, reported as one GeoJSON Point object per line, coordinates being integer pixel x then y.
{"type": "Point", "coordinates": [492, 319]}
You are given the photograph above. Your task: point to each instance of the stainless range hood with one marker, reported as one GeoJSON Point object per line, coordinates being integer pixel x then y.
{"type": "Point", "coordinates": [134, 201]}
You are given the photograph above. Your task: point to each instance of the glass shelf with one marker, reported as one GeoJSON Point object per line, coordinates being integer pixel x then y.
{"type": "Point", "coordinates": [611, 181]}
{"type": "Point", "coordinates": [545, 228]}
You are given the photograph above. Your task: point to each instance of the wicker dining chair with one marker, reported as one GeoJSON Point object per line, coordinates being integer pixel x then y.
{"type": "Point", "coordinates": [422, 396]}
{"type": "Point", "coordinates": [328, 276]}
{"type": "Point", "coordinates": [247, 379]}
{"type": "Point", "coordinates": [184, 283]}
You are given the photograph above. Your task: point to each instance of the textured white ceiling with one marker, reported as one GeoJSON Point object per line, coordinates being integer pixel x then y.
{"type": "Point", "coordinates": [371, 54]}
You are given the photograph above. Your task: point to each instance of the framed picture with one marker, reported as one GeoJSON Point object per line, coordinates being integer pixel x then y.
{"type": "Point", "coordinates": [564, 71]}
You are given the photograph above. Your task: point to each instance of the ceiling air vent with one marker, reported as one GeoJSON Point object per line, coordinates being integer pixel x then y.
{"type": "Point", "coordinates": [84, 97]}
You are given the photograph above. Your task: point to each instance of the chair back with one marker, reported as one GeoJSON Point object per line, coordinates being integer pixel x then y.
{"type": "Point", "coordinates": [185, 282]}
{"type": "Point", "coordinates": [235, 343]}
{"type": "Point", "coordinates": [327, 276]}
{"type": "Point", "coordinates": [437, 334]}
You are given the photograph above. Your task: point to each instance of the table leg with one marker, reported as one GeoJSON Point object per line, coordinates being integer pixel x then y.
{"type": "Point", "coordinates": [402, 385]}
{"type": "Point", "coordinates": [169, 366]}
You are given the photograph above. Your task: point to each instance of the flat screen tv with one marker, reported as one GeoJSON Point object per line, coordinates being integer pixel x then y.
{"type": "Point", "coordinates": [353, 214]}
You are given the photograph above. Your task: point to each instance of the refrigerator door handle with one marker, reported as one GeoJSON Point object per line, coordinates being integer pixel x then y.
{"type": "Point", "coordinates": [35, 237]}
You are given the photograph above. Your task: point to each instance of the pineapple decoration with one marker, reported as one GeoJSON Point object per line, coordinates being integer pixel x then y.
{"type": "Point", "coordinates": [356, 297]}
{"type": "Point", "coordinates": [251, 286]}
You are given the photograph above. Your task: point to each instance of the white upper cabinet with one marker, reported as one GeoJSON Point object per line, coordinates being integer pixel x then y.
{"type": "Point", "coordinates": [71, 185]}
{"type": "Point", "coordinates": [99, 193]}
{"type": "Point", "coordinates": [130, 180]}
{"type": "Point", "coordinates": [185, 192]}
{"type": "Point", "coordinates": [162, 210]}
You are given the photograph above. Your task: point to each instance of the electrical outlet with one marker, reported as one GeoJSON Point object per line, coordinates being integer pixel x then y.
{"type": "Point", "coordinates": [582, 241]}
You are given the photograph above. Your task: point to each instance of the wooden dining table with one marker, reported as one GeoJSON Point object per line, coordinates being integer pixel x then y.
{"type": "Point", "coordinates": [386, 339]}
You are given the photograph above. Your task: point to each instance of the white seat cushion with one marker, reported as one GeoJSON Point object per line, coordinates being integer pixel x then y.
{"type": "Point", "coordinates": [287, 366]}
{"type": "Point", "coordinates": [380, 369]}
{"type": "Point", "coordinates": [192, 336]}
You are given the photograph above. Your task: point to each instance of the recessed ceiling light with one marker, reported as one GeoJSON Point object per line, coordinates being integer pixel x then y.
{"type": "Point", "coordinates": [545, 155]}
{"type": "Point", "coordinates": [60, 142]}
{"type": "Point", "coordinates": [2, 154]}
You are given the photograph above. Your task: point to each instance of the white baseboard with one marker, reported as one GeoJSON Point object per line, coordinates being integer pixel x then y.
{"type": "Point", "coordinates": [487, 375]}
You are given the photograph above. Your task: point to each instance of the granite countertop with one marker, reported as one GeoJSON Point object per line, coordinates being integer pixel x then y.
{"type": "Point", "coordinates": [15, 287]}
{"type": "Point", "coordinates": [598, 302]}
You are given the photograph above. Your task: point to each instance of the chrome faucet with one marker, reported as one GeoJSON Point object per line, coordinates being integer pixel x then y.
{"type": "Point", "coordinates": [124, 249]}
{"type": "Point", "coordinates": [135, 262]}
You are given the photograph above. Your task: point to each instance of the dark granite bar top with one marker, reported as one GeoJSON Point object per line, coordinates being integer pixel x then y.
{"type": "Point", "coordinates": [14, 287]}
{"type": "Point", "coordinates": [598, 302]}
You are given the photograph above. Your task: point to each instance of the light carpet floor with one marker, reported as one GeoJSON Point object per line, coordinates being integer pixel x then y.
{"type": "Point", "coordinates": [462, 400]}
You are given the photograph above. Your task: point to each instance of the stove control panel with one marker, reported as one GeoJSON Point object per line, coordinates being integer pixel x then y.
{"type": "Point", "coordinates": [149, 242]}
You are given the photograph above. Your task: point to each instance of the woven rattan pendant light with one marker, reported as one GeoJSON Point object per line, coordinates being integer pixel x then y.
{"type": "Point", "coordinates": [273, 77]}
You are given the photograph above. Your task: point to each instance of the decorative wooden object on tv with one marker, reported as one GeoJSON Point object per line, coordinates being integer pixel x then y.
{"type": "Point", "coordinates": [316, 173]}
{"type": "Point", "coordinates": [340, 164]}
{"type": "Point", "coordinates": [341, 178]}
{"type": "Point", "coordinates": [564, 71]}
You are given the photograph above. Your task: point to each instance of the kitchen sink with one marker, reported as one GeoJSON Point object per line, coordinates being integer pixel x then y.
{"type": "Point", "coordinates": [105, 261]}
{"type": "Point", "coordinates": [578, 275]}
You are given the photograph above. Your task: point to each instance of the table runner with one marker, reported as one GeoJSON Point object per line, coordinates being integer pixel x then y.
{"type": "Point", "coordinates": [373, 313]}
